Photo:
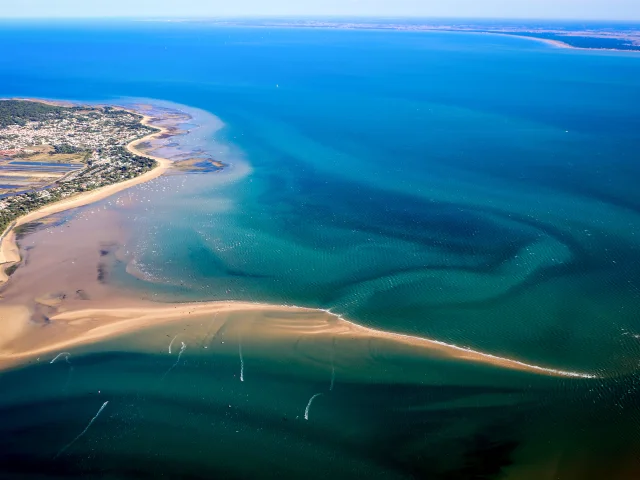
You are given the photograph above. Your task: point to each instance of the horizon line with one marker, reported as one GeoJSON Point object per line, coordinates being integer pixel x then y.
{"type": "Point", "coordinates": [318, 17]}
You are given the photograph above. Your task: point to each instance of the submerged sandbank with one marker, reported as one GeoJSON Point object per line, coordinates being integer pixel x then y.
{"type": "Point", "coordinates": [26, 340]}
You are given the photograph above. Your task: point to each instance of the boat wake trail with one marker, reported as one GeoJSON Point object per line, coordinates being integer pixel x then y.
{"type": "Point", "coordinates": [182, 349]}
{"type": "Point", "coordinates": [81, 433]}
{"type": "Point", "coordinates": [171, 343]}
{"type": "Point", "coordinates": [306, 410]}
{"type": "Point", "coordinates": [65, 354]}
{"type": "Point", "coordinates": [241, 362]}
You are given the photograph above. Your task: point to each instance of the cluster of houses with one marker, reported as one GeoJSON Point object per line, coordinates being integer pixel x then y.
{"type": "Point", "coordinates": [90, 130]}
{"type": "Point", "coordinates": [101, 133]}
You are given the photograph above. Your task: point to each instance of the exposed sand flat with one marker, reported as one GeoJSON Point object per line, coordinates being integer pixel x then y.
{"type": "Point", "coordinates": [548, 41]}
{"type": "Point", "coordinates": [14, 321]}
{"type": "Point", "coordinates": [24, 339]}
{"type": "Point", "coordinates": [269, 323]}
{"type": "Point", "coordinates": [9, 253]}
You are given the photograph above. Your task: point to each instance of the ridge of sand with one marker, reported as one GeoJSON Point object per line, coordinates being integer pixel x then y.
{"type": "Point", "coordinates": [85, 326]}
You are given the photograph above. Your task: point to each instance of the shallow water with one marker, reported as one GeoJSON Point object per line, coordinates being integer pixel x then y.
{"type": "Point", "coordinates": [472, 189]}
{"type": "Point", "coordinates": [224, 403]}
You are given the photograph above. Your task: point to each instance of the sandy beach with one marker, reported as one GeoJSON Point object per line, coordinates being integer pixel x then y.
{"type": "Point", "coordinates": [553, 43]}
{"type": "Point", "coordinates": [36, 322]}
{"type": "Point", "coordinates": [9, 252]}
{"type": "Point", "coordinates": [548, 41]}
{"type": "Point", "coordinates": [24, 340]}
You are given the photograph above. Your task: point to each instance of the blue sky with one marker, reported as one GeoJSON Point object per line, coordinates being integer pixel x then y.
{"type": "Point", "coordinates": [575, 9]}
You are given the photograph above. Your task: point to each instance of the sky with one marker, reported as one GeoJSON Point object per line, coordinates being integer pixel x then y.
{"type": "Point", "coordinates": [538, 9]}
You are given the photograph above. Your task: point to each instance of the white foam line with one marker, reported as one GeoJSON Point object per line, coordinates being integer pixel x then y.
{"type": "Point", "coordinates": [563, 373]}
{"type": "Point", "coordinates": [81, 433]}
{"type": "Point", "coordinates": [306, 410]}
{"type": "Point", "coordinates": [553, 371]}
{"type": "Point", "coordinates": [241, 362]}
{"type": "Point", "coordinates": [171, 343]}
{"type": "Point", "coordinates": [67, 354]}
{"type": "Point", "coordinates": [403, 336]}
{"type": "Point", "coordinates": [182, 349]}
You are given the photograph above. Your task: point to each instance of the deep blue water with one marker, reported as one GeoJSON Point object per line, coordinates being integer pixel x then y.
{"type": "Point", "coordinates": [479, 190]}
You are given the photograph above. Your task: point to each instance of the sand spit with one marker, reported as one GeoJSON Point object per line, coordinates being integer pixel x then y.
{"type": "Point", "coordinates": [24, 340]}
{"type": "Point", "coordinates": [9, 252]}
{"type": "Point", "coordinates": [548, 41]}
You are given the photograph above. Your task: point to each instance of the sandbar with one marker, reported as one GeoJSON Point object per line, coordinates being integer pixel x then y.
{"type": "Point", "coordinates": [548, 41]}
{"type": "Point", "coordinates": [78, 327]}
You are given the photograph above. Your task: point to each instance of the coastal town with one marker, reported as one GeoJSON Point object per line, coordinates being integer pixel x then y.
{"type": "Point", "coordinates": [50, 152]}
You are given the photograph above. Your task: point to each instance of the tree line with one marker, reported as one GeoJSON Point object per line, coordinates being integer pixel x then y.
{"type": "Point", "coordinates": [19, 112]}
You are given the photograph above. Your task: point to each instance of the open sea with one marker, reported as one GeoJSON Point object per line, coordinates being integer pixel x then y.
{"type": "Point", "coordinates": [474, 189]}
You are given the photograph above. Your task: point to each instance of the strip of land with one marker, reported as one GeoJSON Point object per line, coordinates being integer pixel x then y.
{"type": "Point", "coordinates": [583, 37]}
{"type": "Point", "coordinates": [9, 251]}
{"type": "Point", "coordinates": [24, 340]}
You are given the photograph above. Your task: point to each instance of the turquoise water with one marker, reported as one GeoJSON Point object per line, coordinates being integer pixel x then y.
{"type": "Point", "coordinates": [477, 190]}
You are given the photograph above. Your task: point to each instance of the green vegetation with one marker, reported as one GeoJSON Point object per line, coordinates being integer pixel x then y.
{"type": "Point", "coordinates": [19, 112]}
{"type": "Point", "coordinates": [65, 148]}
{"type": "Point", "coordinates": [11, 270]}
{"type": "Point", "coordinates": [95, 136]}
{"type": "Point", "coordinates": [30, 201]}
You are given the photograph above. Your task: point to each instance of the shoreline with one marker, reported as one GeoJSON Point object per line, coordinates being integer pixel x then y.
{"type": "Point", "coordinates": [86, 326]}
{"type": "Point", "coordinates": [9, 251]}
{"type": "Point", "coordinates": [555, 43]}
{"type": "Point", "coordinates": [22, 339]}
{"type": "Point", "coordinates": [548, 41]}
{"type": "Point", "coordinates": [565, 45]}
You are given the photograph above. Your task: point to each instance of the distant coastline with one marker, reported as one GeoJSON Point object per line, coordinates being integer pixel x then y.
{"type": "Point", "coordinates": [548, 41]}
{"type": "Point", "coordinates": [555, 42]}
{"type": "Point", "coordinates": [579, 37]}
